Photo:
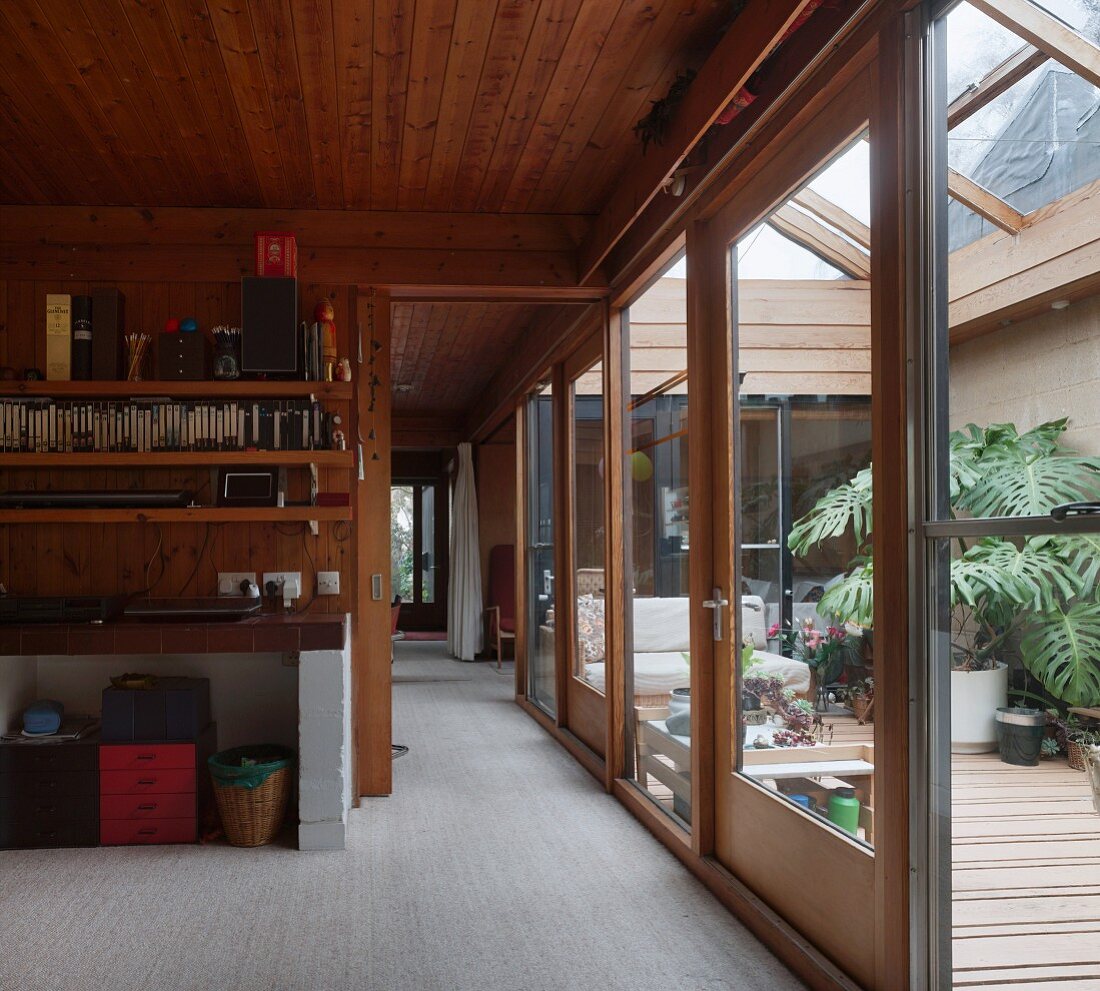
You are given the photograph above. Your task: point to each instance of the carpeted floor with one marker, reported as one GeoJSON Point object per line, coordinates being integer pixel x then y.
{"type": "Point", "coordinates": [497, 865]}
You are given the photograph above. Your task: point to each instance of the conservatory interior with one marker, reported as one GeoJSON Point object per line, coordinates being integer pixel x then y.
{"type": "Point", "coordinates": [733, 371]}
{"type": "Point", "coordinates": [1017, 627]}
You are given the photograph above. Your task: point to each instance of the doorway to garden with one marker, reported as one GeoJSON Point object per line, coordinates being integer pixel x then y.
{"type": "Point", "coordinates": [420, 540]}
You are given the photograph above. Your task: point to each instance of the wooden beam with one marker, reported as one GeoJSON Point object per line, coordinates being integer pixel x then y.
{"type": "Point", "coordinates": [994, 83]}
{"type": "Point", "coordinates": [984, 203]}
{"type": "Point", "coordinates": [427, 430]}
{"type": "Point", "coordinates": [1047, 33]}
{"type": "Point", "coordinates": [758, 28]}
{"type": "Point", "coordinates": [840, 42]}
{"type": "Point", "coordinates": [840, 218]}
{"type": "Point", "coordinates": [108, 225]}
{"type": "Point", "coordinates": [540, 272]}
{"type": "Point", "coordinates": [818, 239]}
{"type": "Point", "coordinates": [371, 644]}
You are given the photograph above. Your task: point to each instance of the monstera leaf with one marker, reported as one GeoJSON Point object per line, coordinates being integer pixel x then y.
{"type": "Point", "coordinates": [848, 506]}
{"type": "Point", "coordinates": [1026, 474]}
{"type": "Point", "coordinates": [1062, 650]}
{"type": "Point", "coordinates": [1082, 552]}
{"type": "Point", "coordinates": [1033, 576]}
{"type": "Point", "coordinates": [851, 599]}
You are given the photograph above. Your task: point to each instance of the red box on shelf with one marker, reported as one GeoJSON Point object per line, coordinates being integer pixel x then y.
{"type": "Point", "coordinates": [276, 254]}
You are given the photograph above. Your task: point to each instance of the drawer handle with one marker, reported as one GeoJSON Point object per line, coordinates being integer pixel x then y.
{"type": "Point", "coordinates": [148, 807]}
{"type": "Point", "coordinates": [43, 809]}
{"type": "Point", "coordinates": [147, 832]}
{"type": "Point", "coordinates": [146, 756]}
{"type": "Point", "coordinates": [147, 781]}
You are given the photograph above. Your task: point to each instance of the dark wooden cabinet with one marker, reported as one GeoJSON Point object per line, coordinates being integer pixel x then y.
{"type": "Point", "coordinates": [49, 794]}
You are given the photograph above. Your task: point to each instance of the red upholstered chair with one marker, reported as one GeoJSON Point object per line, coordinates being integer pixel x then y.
{"type": "Point", "coordinates": [501, 607]}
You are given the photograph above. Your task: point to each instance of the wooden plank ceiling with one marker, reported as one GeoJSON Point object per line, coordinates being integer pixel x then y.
{"type": "Point", "coordinates": [445, 105]}
{"type": "Point", "coordinates": [444, 354]}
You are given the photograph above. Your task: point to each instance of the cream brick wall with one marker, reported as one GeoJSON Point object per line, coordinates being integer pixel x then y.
{"type": "Point", "coordinates": [1039, 370]}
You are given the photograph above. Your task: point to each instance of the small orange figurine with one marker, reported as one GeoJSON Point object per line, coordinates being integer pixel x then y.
{"type": "Point", "coordinates": [324, 315]}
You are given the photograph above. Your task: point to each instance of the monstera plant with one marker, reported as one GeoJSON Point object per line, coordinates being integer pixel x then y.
{"type": "Point", "coordinates": [1038, 595]}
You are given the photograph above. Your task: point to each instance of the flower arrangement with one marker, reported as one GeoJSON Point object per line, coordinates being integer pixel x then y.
{"type": "Point", "coordinates": [825, 654]}
{"type": "Point", "coordinates": [797, 713]}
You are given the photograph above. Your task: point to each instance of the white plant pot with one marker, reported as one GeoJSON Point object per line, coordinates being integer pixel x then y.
{"type": "Point", "coordinates": [975, 697]}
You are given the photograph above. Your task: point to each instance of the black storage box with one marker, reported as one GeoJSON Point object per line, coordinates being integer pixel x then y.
{"type": "Point", "coordinates": [176, 709]}
{"type": "Point", "coordinates": [182, 357]}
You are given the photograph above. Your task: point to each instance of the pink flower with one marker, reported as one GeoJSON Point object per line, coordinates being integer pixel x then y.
{"type": "Point", "coordinates": [773, 630]}
{"type": "Point", "coordinates": [837, 633]}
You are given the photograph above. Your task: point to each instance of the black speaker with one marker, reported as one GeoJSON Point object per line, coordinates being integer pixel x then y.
{"type": "Point", "coordinates": [269, 326]}
{"type": "Point", "coordinates": [107, 328]}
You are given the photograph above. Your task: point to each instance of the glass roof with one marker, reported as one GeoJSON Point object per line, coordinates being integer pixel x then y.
{"type": "Point", "coordinates": [764, 253]}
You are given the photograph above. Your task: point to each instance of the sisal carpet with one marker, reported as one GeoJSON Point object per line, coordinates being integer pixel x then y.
{"type": "Point", "coordinates": [497, 865]}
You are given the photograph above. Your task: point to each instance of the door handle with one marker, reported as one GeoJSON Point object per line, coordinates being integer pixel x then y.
{"type": "Point", "coordinates": [717, 604]}
{"type": "Point", "coordinates": [1059, 513]}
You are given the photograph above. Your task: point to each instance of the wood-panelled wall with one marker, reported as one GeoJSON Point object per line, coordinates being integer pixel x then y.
{"type": "Point", "coordinates": [53, 559]}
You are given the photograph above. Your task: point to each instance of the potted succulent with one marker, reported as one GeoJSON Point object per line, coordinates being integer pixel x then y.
{"type": "Point", "coordinates": [1080, 738]}
{"type": "Point", "coordinates": [1035, 600]}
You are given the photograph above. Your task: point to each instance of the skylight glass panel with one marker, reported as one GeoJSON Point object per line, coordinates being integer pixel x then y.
{"type": "Point", "coordinates": [764, 253]}
{"type": "Point", "coordinates": [846, 181]}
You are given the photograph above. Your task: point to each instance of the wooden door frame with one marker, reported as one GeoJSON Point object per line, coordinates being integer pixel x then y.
{"type": "Point", "coordinates": [584, 713]}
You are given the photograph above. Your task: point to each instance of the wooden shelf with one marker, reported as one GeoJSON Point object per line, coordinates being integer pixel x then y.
{"type": "Point", "coordinates": [196, 514]}
{"type": "Point", "coordinates": [176, 459]}
{"type": "Point", "coordinates": [177, 390]}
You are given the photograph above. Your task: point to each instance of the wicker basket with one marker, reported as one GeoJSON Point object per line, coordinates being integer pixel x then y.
{"type": "Point", "coordinates": [1078, 756]}
{"type": "Point", "coordinates": [254, 816]}
{"type": "Point", "coordinates": [863, 708]}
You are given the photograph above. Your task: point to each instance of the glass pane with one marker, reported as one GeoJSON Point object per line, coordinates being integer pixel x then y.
{"type": "Point", "coordinates": [1014, 621]}
{"type": "Point", "coordinates": [658, 532]}
{"type": "Point", "coordinates": [1016, 813]}
{"type": "Point", "coordinates": [427, 542]}
{"type": "Point", "coordinates": [1031, 145]}
{"type": "Point", "coordinates": [541, 685]}
{"type": "Point", "coordinates": [588, 526]}
{"type": "Point", "coordinates": [803, 461]}
{"type": "Point", "coordinates": [401, 541]}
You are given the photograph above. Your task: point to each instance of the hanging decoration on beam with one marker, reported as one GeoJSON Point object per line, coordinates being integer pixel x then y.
{"type": "Point", "coordinates": [653, 127]}
{"type": "Point", "coordinates": [373, 380]}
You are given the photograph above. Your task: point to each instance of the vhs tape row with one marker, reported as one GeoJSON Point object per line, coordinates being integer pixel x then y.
{"type": "Point", "coordinates": [141, 425]}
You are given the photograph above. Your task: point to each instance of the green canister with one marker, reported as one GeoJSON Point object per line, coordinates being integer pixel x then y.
{"type": "Point", "coordinates": [844, 809]}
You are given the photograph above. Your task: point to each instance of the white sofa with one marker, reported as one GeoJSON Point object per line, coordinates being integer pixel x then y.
{"type": "Point", "coordinates": [662, 639]}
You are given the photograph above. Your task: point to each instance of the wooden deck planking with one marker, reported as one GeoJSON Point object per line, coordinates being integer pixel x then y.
{"type": "Point", "coordinates": [1026, 852]}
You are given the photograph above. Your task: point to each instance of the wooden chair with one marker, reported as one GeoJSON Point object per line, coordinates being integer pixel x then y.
{"type": "Point", "coordinates": [501, 610]}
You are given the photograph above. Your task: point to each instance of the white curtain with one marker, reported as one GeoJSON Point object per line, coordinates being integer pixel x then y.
{"type": "Point", "coordinates": [465, 628]}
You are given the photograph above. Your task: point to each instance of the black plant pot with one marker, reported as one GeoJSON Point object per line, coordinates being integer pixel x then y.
{"type": "Point", "coordinates": [1020, 735]}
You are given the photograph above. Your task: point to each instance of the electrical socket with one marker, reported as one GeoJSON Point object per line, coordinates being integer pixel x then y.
{"type": "Point", "coordinates": [229, 582]}
{"type": "Point", "coordinates": [280, 578]}
{"type": "Point", "coordinates": [328, 582]}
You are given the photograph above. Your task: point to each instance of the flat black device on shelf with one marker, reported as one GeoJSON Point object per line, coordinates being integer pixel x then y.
{"type": "Point", "coordinates": [250, 487]}
{"type": "Point", "coordinates": [205, 610]}
{"type": "Point", "coordinates": [96, 499]}
{"type": "Point", "coordinates": [60, 608]}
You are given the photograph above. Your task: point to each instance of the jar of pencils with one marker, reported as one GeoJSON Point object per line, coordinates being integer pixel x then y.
{"type": "Point", "coordinates": [227, 353]}
{"type": "Point", "coordinates": [137, 347]}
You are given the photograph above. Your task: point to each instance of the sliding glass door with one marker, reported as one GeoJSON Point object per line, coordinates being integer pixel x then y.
{"type": "Point", "coordinates": [1010, 515]}
{"type": "Point", "coordinates": [539, 535]}
{"type": "Point", "coordinates": [665, 615]}
{"type": "Point", "coordinates": [586, 655]}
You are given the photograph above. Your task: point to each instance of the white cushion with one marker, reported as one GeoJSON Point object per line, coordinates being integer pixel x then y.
{"type": "Point", "coordinates": [654, 673]}
{"type": "Point", "coordinates": [662, 624]}
{"type": "Point", "coordinates": [795, 674]}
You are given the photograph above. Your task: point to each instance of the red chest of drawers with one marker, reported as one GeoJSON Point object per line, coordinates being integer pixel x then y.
{"type": "Point", "coordinates": [152, 792]}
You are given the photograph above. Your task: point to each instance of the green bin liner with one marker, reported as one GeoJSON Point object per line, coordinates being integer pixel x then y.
{"type": "Point", "coordinates": [249, 767]}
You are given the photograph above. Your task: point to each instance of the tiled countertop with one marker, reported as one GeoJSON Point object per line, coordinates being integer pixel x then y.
{"type": "Point", "coordinates": [257, 634]}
